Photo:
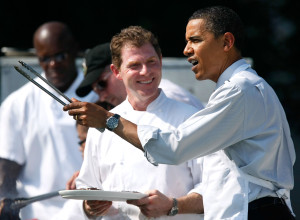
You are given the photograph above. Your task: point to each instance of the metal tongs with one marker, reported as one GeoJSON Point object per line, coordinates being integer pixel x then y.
{"type": "Point", "coordinates": [22, 202]}
{"type": "Point", "coordinates": [47, 82]}
{"type": "Point", "coordinates": [40, 86]}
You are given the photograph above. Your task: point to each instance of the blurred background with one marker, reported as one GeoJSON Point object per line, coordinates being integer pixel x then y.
{"type": "Point", "coordinates": [272, 44]}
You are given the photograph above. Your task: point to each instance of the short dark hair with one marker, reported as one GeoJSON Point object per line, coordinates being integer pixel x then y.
{"type": "Point", "coordinates": [134, 35]}
{"type": "Point", "coordinates": [221, 19]}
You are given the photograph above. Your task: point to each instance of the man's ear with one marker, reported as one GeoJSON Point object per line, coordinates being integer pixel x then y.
{"type": "Point", "coordinates": [115, 71]}
{"type": "Point", "coordinates": [229, 41]}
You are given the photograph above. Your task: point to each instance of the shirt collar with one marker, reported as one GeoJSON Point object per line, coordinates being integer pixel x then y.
{"type": "Point", "coordinates": [153, 105]}
{"type": "Point", "coordinates": [158, 101]}
{"type": "Point", "coordinates": [234, 68]}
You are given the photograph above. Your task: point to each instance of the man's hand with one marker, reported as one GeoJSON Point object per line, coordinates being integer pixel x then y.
{"type": "Point", "coordinates": [155, 205]}
{"type": "Point", "coordinates": [88, 114]}
{"type": "Point", "coordinates": [93, 208]}
{"type": "Point", "coordinates": [71, 184]}
{"type": "Point", "coordinates": [6, 213]}
{"type": "Point", "coordinates": [93, 115]}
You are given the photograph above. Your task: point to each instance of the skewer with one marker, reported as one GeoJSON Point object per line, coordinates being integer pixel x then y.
{"type": "Point", "coordinates": [38, 85]}
{"type": "Point", "coordinates": [45, 80]}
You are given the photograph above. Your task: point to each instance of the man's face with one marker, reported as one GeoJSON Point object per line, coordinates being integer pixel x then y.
{"type": "Point", "coordinates": [204, 51]}
{"type": "Point", "coordinates": [109, 88]}
{"type": "Point", "coordinates": [58, 64]}
{"type": "Point", "coordinates": [141, 72]}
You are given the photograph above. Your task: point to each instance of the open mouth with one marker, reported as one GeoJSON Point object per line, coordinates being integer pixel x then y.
{"type": "Point", "coordinates": [194, 62]}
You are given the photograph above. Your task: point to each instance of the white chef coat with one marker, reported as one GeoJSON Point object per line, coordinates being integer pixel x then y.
{"type": "Point", "coordinates": [112, 164]}
{"type": "Point", "coordinates": [38, 134]}
{"type": "Point", "coordinates": [178, 93]}
{"type": "Point", "coordinates": [244, 118]}
{"type": "Point", "coordinates": [72, 210]}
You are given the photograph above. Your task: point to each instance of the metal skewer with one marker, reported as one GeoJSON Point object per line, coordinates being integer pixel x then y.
{"type": "Point", "coordinates": [45, 80]}
{"type": "Point", "coordinates": [38, 85]}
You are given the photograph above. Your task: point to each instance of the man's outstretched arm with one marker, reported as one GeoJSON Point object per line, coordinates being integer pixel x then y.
{"type": "Point", "coordinates": [93, 115]}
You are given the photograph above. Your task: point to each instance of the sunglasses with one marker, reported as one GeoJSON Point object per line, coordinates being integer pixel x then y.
{"type": "Point", "coordinates": [59, 57]}
{"type": "Point", "coordinates": [101, 85]}
{"type": "Point", "coordinates": [81, 142]}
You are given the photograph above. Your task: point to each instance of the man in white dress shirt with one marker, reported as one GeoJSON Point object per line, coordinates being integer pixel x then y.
{"type": "Point", "coordinates": [37, 139]}
{"type": "Point", "coordinates": [171, 189]}
{"type": "Point", "coordinates": [243, 128]}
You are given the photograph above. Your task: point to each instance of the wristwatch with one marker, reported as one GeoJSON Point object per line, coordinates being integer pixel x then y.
{"type": "Point", "coordinates": [174, 209]}
{"type": "Point", "coordinates": [112, 122]}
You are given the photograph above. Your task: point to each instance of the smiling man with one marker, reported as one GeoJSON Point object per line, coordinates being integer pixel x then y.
{"type": "Point", "coordinates": [172, 190]}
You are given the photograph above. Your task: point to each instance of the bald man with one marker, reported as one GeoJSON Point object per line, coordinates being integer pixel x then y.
{"type": "Point", "coordinates": [38, 141]}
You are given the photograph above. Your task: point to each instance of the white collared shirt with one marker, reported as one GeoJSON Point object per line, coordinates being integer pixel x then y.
{"type": "Point", "coordinates": [245, 118]}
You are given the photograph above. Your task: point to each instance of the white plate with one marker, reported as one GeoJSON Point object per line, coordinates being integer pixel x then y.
{"type": "Point", "coordinates": [100, 195]}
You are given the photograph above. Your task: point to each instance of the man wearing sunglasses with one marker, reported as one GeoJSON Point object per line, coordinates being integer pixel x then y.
{"type": "Point", "coordinates": [99, 78]}
{"type": "Point", "coordinates": [37, 139]}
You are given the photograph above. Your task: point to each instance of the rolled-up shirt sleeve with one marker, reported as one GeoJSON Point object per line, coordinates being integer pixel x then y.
{"type": "Point", "coordinates": [146, 133]}
{"type": "Point", "coordinates": [219, 125]}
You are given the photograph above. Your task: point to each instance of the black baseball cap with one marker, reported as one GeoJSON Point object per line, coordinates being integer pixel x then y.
{"type": "Point", "coordinates": [96, 59]}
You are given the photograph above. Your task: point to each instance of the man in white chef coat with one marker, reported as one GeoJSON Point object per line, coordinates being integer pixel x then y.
{"type": "Point", "coordinates": [174, 192]}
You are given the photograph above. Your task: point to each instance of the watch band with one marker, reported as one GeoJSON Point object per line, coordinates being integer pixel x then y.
{"type": "Point", "coordinates": [101, 129]}
{"type": "Point", "coordinates": [174, 209]}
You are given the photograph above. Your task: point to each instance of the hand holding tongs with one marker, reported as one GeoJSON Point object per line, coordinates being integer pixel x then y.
{"type": "Point", "coordinates": [47, 82]}
{"type": "Point", "coordinates": [38, 85]}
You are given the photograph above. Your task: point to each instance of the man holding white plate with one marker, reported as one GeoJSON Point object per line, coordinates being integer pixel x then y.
{"type": "Point", "coordinates": [172, 191]}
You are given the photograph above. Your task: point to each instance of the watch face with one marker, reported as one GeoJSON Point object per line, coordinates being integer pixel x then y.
{"type": "Point", "coordinates": [174, 211]}
{"type": "Point", "coordinates": [112, 122]}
